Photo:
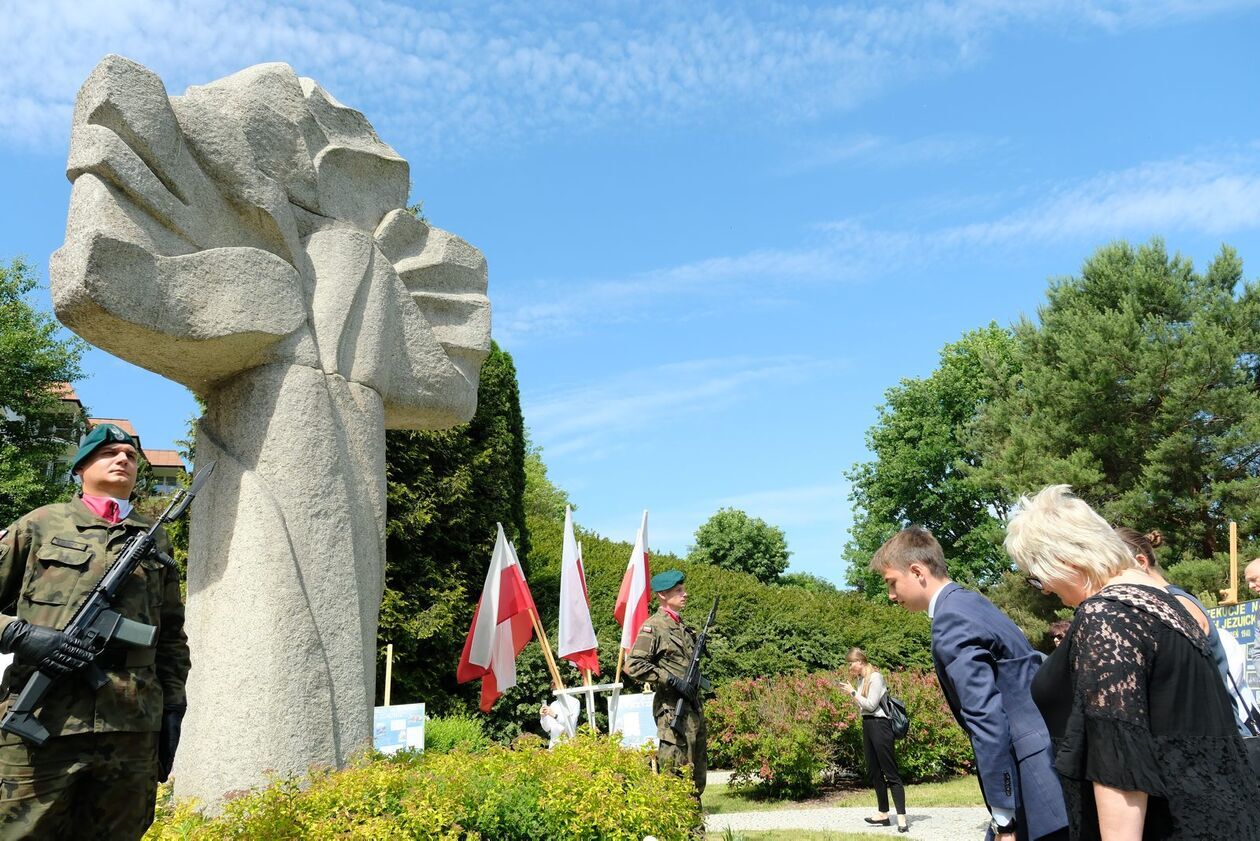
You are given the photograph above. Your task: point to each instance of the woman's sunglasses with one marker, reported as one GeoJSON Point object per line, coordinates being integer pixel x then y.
{"type": "Point", "coordinates": [1036, 584]}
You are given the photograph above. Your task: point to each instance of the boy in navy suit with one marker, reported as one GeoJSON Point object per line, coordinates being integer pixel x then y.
{"type": "Point", "coordinates": [985, 667]}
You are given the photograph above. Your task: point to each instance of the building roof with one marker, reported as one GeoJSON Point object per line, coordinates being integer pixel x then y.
{"type": "Point", "coordinates": [164, 458]}
{"type": "Point", "coordinates": [121, 423]}
{"type": "Point", "coordinates": [65, 391]}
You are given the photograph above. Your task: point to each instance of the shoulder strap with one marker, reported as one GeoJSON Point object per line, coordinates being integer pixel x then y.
{"type": "Point", "coordinates": [1253, 717]}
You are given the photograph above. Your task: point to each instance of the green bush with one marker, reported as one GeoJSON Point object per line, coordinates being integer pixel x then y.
{"type": "Point", "coordinates": [761, 629]}
{"type": "Point", "coordinates": [586, 788]}
{"type": "Point", "coordinates": [442, 734]}
{"type": "Point", "coordinates": [779, 735]}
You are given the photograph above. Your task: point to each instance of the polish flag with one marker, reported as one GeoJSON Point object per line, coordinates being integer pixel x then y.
{"type": "Point", "coordinates": [501, 626]}
{"type": "Point", "coordinates": [577, 632]}
{"type": "Point", "coordinates": [632, 602]}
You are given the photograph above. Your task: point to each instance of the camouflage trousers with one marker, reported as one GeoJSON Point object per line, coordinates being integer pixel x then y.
{"type": "Point", "coordinates": [91, 785]}
{"type": "Point", "coordinates": [685, 752]}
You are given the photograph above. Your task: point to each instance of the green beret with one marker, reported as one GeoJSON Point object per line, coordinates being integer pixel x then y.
{"type": "Point", "coordinates": [666, 580]}
{"type": "Point", "coordinates": [105, 433]}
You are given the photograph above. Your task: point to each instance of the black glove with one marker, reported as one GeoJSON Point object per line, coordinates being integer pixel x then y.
{"type": "Point", "coordinates": [168, 739]}
{"type": "Point", "coordinates": [51, 651]}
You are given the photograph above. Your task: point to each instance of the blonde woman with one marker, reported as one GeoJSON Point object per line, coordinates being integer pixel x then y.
{"type": "Point", "coordinates": [1144, 736]}
{"type": "Point", "coordinates": [877, 738]}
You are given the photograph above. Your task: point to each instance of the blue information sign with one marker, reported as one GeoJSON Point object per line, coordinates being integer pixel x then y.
{"type": "Point", "coordinates": [397, 727]}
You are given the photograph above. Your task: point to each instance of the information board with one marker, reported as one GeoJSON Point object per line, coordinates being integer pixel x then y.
{"type": "Point", "coordinates": [1240, 620]}
{"type": "Point", "coordinates": [634, 720]}
{"type": "Point", "coordinates": [397, 727]}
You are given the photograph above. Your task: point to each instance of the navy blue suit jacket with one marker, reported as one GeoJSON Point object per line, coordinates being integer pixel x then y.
{"type": "Point", "coordinates": [986, 666]}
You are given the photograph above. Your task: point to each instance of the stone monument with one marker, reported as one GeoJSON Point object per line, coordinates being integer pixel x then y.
{"type": "Point", "coordinates": [249, 239]}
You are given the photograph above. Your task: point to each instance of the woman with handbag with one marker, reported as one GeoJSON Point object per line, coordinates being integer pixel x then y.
{"type": "Point", "coordinates": [877, 738]}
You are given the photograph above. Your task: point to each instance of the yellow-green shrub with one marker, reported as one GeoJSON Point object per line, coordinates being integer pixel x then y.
{"type": "Point", "coordinates": [586, 788]}
{"type": "Point", "coordinates": [442, 734]}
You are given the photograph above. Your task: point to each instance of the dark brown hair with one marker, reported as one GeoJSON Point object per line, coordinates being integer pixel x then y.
{"type": "Point", "coordinates": [1142, 544]}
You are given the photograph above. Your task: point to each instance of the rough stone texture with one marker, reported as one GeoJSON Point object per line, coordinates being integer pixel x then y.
{"type": "Point", "coordinates": [248, 239]}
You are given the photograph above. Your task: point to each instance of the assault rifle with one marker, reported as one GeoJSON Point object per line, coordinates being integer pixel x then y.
{"type": "Point", "coordinates": [96, 624]}
{"type": "Point", "coordinates": [691, 685]}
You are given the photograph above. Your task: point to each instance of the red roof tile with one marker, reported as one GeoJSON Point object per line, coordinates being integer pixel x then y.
{"type": "Point", "coordinates": [121, 423]}
{"type": "Point", "coordinates": [164, 458]}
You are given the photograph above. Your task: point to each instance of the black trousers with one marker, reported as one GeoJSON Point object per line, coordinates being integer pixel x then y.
{"type": "Point", "coordinates": [877, 741]}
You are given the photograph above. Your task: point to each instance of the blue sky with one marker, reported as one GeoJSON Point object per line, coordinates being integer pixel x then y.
{"type": "Point", "coordinates": [716, 232]}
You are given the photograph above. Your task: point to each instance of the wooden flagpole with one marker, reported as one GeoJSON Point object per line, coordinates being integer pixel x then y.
{"type": "Point", "coordinates": [389, 670]}
{"type": "Point", "coordinates": [621, 658]}
{"type": "Point", "coordinates": [1230, 596]}
{"type": "Point", "coordinates": [546, 647]}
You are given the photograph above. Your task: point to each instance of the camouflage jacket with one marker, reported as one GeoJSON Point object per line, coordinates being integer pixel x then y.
{"type": "Point", "coordinates": [49, 560]}
{"type": "Point", "coordinates": [662, 648]}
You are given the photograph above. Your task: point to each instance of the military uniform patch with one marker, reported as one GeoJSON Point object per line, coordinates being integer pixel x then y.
{"type": "Point", "coordinates": [3, 532]}
{"type": "Point", "coordinates": [646, 629]}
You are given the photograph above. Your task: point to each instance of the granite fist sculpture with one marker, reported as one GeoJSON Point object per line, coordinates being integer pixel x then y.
{"type": "Point", "coordinates": [249, 239]}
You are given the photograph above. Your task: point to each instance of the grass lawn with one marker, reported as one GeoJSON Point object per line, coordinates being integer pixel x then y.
{"type": "Point", "coordinates": [960, 791]}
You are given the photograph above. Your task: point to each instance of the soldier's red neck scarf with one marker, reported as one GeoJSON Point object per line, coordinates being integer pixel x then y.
{"type": "Point", "coordinates": [107, 508]}
{"type": "Point", "coordinates": [671, 614]}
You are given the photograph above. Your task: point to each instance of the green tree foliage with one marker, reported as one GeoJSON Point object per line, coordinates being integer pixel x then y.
{"type": "Point", "coordinates": [33, 357]}
{"type": "Point", "coordinates": [544, 501]}
{"type": "Point", "coordinates": [920, 473]}
{"type": "Point", "coordinates": [807, 581]}
{"type": "Point", "coordinates": [1140, 387]}
{"type": "Point", "coordinates": [1031, 610]}
{"type": "Point", "coordinates": [446, 492]}
{"type": "Point", "coordinates": [732, 540]}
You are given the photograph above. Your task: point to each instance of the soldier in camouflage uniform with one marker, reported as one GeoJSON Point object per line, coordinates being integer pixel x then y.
{"type": "Point", "coordinates": [97, 774]}
{"type": "Point", "coordinates": [662, 649]}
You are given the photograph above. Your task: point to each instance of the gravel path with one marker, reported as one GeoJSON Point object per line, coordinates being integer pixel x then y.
{"type": "Point", "coordinates": [938, 823]}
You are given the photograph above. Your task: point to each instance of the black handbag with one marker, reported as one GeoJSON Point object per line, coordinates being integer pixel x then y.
{"type": "Point", "coordinates": [897, 714]}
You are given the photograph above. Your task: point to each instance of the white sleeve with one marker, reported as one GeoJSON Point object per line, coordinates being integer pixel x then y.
{"type": "Point", "coordinates": [1236, 657]}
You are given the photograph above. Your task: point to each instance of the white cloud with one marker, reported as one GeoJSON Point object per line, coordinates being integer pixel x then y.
{"type": "Point", "coordinates": [1204, 196]}
{"type": "Point", "coordinates": [1208, 197]}
{"type": "Point", "coordinates": [590, 421]}
{"type": "Point", "coordinates": [489, 72]}
{"type": "Point", "coordinates": [550, 307]}
{"type": "Point", "coordinates": [869, 149]}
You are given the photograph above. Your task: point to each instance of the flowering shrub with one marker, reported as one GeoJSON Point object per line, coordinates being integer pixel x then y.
{"type": "Point", "coordinates": [586, 788]}
{"type": "Point", "coordinates": [781, 733]}
{"type": "Point", "coordinates": [776, 732]}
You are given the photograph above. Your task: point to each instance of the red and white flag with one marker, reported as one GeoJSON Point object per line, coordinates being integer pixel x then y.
{"type": "Point", "coordinates": [501, 626]}
{"type": "Point", "coordinates": [577, 632]}
{"type": "Point", "coordinates": [632, 602]}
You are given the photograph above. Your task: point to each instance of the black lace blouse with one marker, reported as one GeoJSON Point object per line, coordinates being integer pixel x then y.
{"type": "Point", "coordinates": [1133, 700]}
